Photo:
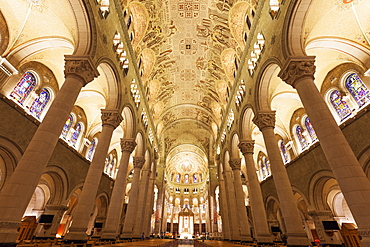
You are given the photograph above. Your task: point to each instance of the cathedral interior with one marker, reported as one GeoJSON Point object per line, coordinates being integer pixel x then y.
{"type": "Point", "coordinates": [233, 120]}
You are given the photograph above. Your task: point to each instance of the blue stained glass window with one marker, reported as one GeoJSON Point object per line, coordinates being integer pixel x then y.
{"type": "Point", "coordinates": [302, 140]}
{"type": "Point", "coordinates": [310, 129]}
{"type": "Point", "coordinates": [107, 163]}
{"type": "Point", "coordinates": [267, 166]}
{"type": "Point", "coordinates": [358, 89]}
{"type": "Point", "coordinates": [339, 105]}
{"type": "Point", "coordinates": [24, 87]}
{"type": "Point", "coordinates": [111, 167]}
{"type": "Point", "coordinates": [284, 152]}
{"type": "Point", "coordinates": [264, 164]}
{"type": "Point", "coordinates": [40, 102]}
{"type": "Point", "coordinates": [178, 178]}
{"type": "Point", "coordinates": [195, 178]}
{"type": "Point", "coordinates": [91, 151]}
{"type": "Point", "coordinates": [76, 134]}
{"type": "Point", "coordinates": [67, 126]}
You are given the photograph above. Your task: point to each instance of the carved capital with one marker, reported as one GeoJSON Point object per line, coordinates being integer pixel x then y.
{"type": "Point", "coordinates": [111, 117]}
{"type": "Point", "coordinates": [128, 145]}
{"type": "Point", "coordinates": [246, 147]}
{"type": "Point", "coordinates": [264, 119]}
{"type": "Point", "coordinates": [139, 162]}
{"type": "Point", "coordinates": [235, 163]}
{"type": "Point", "coordinates": [297, 67]}
{"type": "Point", "coordinates": [81, 67]}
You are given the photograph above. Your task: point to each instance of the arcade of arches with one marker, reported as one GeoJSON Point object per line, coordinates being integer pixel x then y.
{"type": "Point", "coordinates": [242, 120]}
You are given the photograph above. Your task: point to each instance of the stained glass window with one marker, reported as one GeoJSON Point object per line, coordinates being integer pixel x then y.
{"type": "Point", "coordinates": [357, 89]}
{"type": "Point", "coordinates": [284, 152]}
{"type": "Point", "coordinates": [40, 102]}
{"type": "Point", "coordinates": [302, 140]}
{"type": "Point", "coordinates": [67, 126]}
{"type": "Point", "coordinates": [107, 163]}
{"type": "Point", "coordinates": [310, 129]}
{"type": "Point", "coordinates": [111, 167]}
{"type": "Point", "coordinates": [91, 151]}
{"type": "Point", "coordinates": [76, 134]}
{"type": "Point", "coordinates": [24, 87]}
{"type": "Point", "coordinates": [186, 178]}
{"type": "Point", "coordinates": [195, 178]}
{"type": "Point", "coordinates": [264, 164]}
{"type": "Point", "coordinates": [178, 178]}
{"type": "Point", "coordinates": [339, 105]}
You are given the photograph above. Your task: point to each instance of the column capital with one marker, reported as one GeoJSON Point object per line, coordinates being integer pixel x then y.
{"type": "Point", "coordinates": [128, 144]}
{"type": "Point", "coordinates": [81, 67]}
{"type": "Point", "coordinates": [111, 117]}
{"type": "Point", "coordinates": [246, 146]}
{"type": "Point", "coordinates": [264, 119]}
{"type": "Point", "coordinates": [235, 163]}
{"type": "Point", "coordinates": [296, 68]}
{"type": "Point", "coordinates": [139, 162]}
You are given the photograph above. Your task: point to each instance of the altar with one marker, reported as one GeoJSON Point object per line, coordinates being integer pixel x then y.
{"type": "Point", "coordinates": [186, 223]}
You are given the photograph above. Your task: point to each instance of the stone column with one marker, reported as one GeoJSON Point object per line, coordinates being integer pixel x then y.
{"type": "Point", "coordinates": [200, 219]}
{"type": "Point", "coordinates": [224, 209]}
{"type": "Point", "coordinates": [150, 202]}
{"type": "Point", "coordinates": [261, 228]}
{"type": "Point", "coordinates": [164, 217]}
{"type": "Point", "coordinates": [235, 164]}
{"type": "Point", "coordinates": [172, 213]}
{"type": "Point", "coordinates": [81, 216]}
{"type": "Point", "coordinates": [18, 190]}
{"type": "Point", "coordinates": [288, 205]}
{"type": "Point", "coordinates": [159, 215]}
{"type": "Point", "coordinates": [142, 198]}
{"type": "Point", "coordinates": [299, 73]}
{"type": "Point", "coordinates": [232, 206]}
{"type": "Point", "coordinates": [131, 207]}
{"type": "Point", "coordinates": [111, 226]}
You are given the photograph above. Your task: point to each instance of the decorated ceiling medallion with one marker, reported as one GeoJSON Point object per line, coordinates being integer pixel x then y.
{"type": "Point", "coordinates": [188, 46]}
{"type": "Point", "coordinates": [187, 75]}
{"type": "Point", "coordinates": [188, 8]}
{"type": "Point", "coordinates": [186, 166]}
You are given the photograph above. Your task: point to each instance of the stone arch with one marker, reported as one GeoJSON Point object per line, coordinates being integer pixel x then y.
{"type": "Point", "coordinates": [129, 118]}
{"type": "Point", "coordinates": [140, 145]}
{"type": "Point", "coordinates": [292, 33]}
{"type": "Point", "coordinates": [4, 34]}
{"type": "Point", "coordinates": [114, 87]}
{"type": "Point", "coordinates": [317, 194]}
{"type": "Point", "coordinates": [226, 158]}
{"type": "Point", "coordinates": [234, 150]}
{"type": "Point", "coordinates": [364, 160]}
{"type": "Point", "coordinates": [10, 154]}
{"type": "Point", "coordinates": [263, 98]}
{"type": "Point", "coordinates": [86, 39]}
{"type": "Point", "coordinates": [246, 124]}
{"type": "Point", "coordinates": [357, 52]}
{"type": "Point", "coordinates": [58, 183]}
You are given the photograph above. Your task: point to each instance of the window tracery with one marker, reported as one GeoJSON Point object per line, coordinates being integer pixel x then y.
{"type": "Point", "coordinates": [39, 103]}
{"type": "Point", "coordinates": [284, 151]}
{"type": "Point", "coordinates": [357, 89]}
{"type": "Point", "coordinates": [340, 105]}
{"type": "Point", "coordinates": [24, 87]}
{"type": "Point", "coordinates": [91, 151]}
{"type": "Point", "coordinates": [264, 166]}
